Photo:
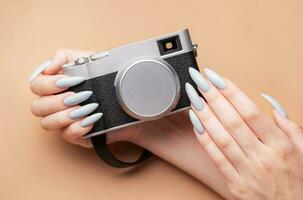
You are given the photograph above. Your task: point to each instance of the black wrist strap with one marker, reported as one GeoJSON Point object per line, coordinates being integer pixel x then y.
{"type": "Point", "coordinates": [104, 152]}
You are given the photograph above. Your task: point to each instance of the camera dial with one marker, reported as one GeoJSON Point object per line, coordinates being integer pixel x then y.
{"type": "Point", "coordinates": [148, 88]}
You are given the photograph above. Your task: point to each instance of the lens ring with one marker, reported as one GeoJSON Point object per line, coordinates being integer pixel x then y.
{"type": "Point", "coordinates": [137, 97]}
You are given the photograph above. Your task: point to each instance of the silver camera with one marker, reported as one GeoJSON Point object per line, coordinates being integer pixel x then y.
{"type": "Point", "coordinates": [137, 82]}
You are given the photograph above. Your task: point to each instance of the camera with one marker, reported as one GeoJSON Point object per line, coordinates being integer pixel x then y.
{"type": "Point", "coordinates": [137, 82]}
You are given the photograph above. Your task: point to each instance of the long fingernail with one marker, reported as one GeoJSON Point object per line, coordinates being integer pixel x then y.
{"type": "Point", "coordinates": [83, 111]}
{"type": "Point", "coordinates": [69, 81]}
{"type": "Point", "coordinates": [90, 120]}
{"type": "Point", "coordinates": [277, 106]}
{"type": "Point", "coordinates": [39, 70]}
{"type": "Point", "coordinates": [199, 80]}
{"type": "Point", "coordinates": [193, 96]}
{"type": "Point", "coordinates": [215, 78]}
{"type": "Point", "coordinates": [77, 98]}
{"type": "Point", "coordinates": [196, 122]}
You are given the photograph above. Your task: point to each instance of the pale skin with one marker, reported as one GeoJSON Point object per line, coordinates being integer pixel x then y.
{"type": "Point", "coordinates": [241, 154]}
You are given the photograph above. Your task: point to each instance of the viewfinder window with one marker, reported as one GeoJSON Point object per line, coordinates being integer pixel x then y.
{"type": "Point", "coordinates": [169, 45]}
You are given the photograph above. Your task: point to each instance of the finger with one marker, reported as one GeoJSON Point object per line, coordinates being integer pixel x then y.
{"type": "Point", "coordinates": [53, 66]}
{"type": "Point", "coordinates": [74, 132]}
{"type": "Point", "coordinates": [57, 120]}
{"type": "Point", "coordinates": [215, 129]}
{"type": "Point", "coordinates": [39, 70]}
{"type": "Point", "coordinates": [51, 84]}
{"type": "Point", "coordinates": [47, 105]}
{"type": "Point", "coordinates": [261, 124]}
{"type": "Point", "coordinates": [293, 130]}
{"type": "Point", "coordinates": [64, 118]}
{"type": "Point", "coordinates": [226, 113]}
{"type": "Point", "coordinates": [64, 56]}
{"type": "Point", "coordinates": [216, 155]}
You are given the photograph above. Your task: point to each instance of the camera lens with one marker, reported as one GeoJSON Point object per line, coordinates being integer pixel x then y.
{"type": "Point", "coordinates": [169, 45]}
{"type": "Point", "coordinates": [148, 89]}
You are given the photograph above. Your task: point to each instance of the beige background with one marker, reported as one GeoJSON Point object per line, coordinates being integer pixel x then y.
{"type": "Point", "coordinates": [258, 44]}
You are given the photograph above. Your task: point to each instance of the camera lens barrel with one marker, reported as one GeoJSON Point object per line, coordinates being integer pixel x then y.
{"type": "Point", "coordinates": [148, 88]}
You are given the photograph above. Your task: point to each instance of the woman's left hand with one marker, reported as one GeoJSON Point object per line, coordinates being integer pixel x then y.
{"type": "Point", "coordinates": [259, 158]}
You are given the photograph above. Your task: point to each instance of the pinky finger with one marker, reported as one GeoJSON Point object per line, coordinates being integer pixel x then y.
{"type": "Point", "coordinates": [213, 151]}
{"type": "Point", "coordinates": [293, 130]}
{"type": "Point", "coordinates": [74, 132]}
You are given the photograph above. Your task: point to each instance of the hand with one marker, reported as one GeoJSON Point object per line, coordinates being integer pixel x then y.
{"type": "Point", "coordinates": [258, 158]}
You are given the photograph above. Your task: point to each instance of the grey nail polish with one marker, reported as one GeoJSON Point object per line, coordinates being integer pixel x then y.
{"type": "Point", "coordinates": [77, 98]}
{"type": "Point", "coordinates": [215, 78]}
{"type": "Point", "coordinates": [69, 81]}
{"type": "Point", "coordinates": [39, 70]}
{"type": "Point", "coordinates": [90, 120]}
{"type": "Point", "coordinates": [277, 106]}
{"type": "Point", "coordinates": [199, 80]}
{"type": "Point", "coordinates": [83, 111]}
{"type": "Point", "coordinates": [196, 122]}
{"type": "Point", "coordinates": [193, 96]}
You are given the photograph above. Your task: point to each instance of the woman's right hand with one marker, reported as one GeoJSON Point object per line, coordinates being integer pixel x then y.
{"type": "Point", "coordinates": [258, 158]}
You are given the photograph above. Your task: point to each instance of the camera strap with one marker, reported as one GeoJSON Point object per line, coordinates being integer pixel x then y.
{"type": "Point", "coordinates": [101, 147]}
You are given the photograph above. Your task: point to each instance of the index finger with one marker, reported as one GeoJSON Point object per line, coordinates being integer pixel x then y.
{"type": "Point", "coordinates": [62, 57]}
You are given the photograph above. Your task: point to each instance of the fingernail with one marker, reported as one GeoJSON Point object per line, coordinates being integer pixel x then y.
{"type": "Point", "coordinates": [90, 120]}
{"type": "Point", "coordinates": [199, 80]}
{"type": "Point", "coordinates": [69, 81]}
{"type": "Point", "coordinates": [277, 106]}
{"type": "Point", "coordinates": [39, 70]}
{"type": "Point", "coordinates": [193, 96]}
{"type": "Point", "coordinates": [215, 78]}
{"type": "Point", "coordinates": [77, 98]}
{"type": "Point", "coordinates": [83, 111]}
{"type": "Point", "coordinates": [196, 122]}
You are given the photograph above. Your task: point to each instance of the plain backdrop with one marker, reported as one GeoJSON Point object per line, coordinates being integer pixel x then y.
{"type": "Point", "coordinates": [258, 44]}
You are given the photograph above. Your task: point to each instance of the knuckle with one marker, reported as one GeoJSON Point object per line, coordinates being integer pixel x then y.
{"type": "Point", "coordinates": [44, 124]}
{"type": "Point", "coordinates": [225, 142]}
{"type": "Point", "coordinates": [252, 114]}
{"type": "Point", "coordinates": [52, 103]}
{"type": "Point", "coordinates": [234, 124]}
{"type": "Point", "coordinates": [205, 141]}
{"type": "Point", "coordinates": [68, 138]}
{"type": "Point", "coordinates": [71, 135]}
{"type": "Point", "coordinates": [212, 97]}
{"type": "Point", "coordinates": [207, 115]}
{"type": "Point", "coordinates": [240, 191]}
{"type": "Point", "coordinates": [34, 86]}
{"type": "Point", "coordinates": [286, 148]}
{"type": "Point", "coordinates": [232, 92]}
{"type": "Point", "coordinates": [35, 108]}
{"type": "Point", "coordinates": [60, 120]}
{"type": "Point", "coordinates": [220, 161]}
{"type": "Point", "coordinates": [265, 163]}
{"type": "Point", "coordinates": [40, 85]}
